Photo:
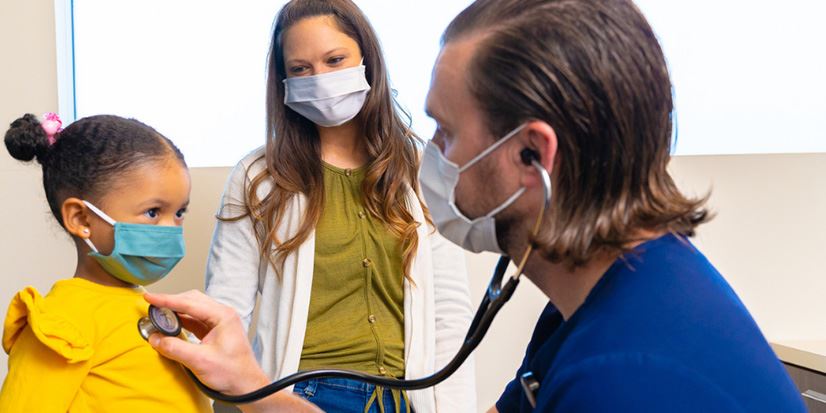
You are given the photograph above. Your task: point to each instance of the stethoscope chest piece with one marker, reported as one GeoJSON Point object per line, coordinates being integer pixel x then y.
{"type": "Point", "coordinates": [159, 320]}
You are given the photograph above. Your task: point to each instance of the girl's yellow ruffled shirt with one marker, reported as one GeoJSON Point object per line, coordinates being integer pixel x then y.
{"type": "Point", "coordinates": [78, 350]}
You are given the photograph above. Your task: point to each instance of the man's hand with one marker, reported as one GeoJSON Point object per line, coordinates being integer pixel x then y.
{"type": "Point", "coordinates": [223, 360]}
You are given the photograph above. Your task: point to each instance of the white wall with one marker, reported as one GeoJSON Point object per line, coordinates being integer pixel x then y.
{"type": "Point", "coordinates": [768, 238]}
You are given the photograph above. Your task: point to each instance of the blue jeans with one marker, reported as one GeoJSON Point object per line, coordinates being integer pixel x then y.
{"type": "Point", "coordinates": [346, 396]}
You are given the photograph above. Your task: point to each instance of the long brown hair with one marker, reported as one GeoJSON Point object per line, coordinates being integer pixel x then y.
{"type": "Point", "coordinates": [293, 153]}
{"type": "Point", "coordinates": [594, 71]}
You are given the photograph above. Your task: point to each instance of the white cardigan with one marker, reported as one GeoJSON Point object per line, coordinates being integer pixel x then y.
{"type": "Point", "coordinates": [437, 311]}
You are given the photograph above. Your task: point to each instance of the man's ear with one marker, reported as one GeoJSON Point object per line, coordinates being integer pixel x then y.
{"type": "Point", "coordinates": [75, 217]}
{"type": "Point", "coordinates": [540, 145]}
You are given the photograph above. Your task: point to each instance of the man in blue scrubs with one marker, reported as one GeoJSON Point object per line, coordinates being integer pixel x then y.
{"type": "Point", "coordinates": [638, 320]}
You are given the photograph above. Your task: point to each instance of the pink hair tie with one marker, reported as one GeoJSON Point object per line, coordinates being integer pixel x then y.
{"type": "Point", "coordinates": [52, 126]}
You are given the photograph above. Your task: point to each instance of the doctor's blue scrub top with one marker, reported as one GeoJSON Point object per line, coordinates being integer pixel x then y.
{"type": "Point", "coordinates": [660, 332]}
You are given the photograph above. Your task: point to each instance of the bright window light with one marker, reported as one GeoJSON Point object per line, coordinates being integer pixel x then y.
{"type": "Point", "coordinates": [748, 75]}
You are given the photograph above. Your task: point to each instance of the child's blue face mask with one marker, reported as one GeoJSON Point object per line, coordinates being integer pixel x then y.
{"type": "Point", "coordinates": [143, 254]}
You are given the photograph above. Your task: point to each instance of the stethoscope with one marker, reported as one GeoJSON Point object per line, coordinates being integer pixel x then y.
{"type": "Point", "coordinates": [166, 322]}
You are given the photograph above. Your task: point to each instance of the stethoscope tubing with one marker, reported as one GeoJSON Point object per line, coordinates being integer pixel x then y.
{"type": "Point", "coordinates": [496, 296]}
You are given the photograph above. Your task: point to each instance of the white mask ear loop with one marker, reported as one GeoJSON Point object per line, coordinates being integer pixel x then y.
{"type": "Point", "coordinates": [102, 216]}
{"type": "Point", "coordinates": [486, 152]}
{"type": "Point", "coordinates": [92, 246]}
{"type": "Point", "coordinates": [492, 148]}
{"type": "Point", "coordinates": [507, 203]}
{"type": "Point", "coordinates": [100, 213]}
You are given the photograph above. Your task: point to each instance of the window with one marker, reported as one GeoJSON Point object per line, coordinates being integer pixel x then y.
{"type": "Point", "coordinates": [196, 71]}
{"type": "Point", "coordinates": [748, 75]}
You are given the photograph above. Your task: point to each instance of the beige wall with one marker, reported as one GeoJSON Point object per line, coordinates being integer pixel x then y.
{"type": "Point", "coordinates": [768, 238]}
{"type": "Point", "coordinates": [769, 235]}
{"type": "Point", "coordinates": [32, 251]}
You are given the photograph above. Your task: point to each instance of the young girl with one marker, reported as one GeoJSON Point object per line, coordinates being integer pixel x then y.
{"type": "Point", "coordinates": [120, 189]}
{"type": "Point", "coordinates": [326, 223]}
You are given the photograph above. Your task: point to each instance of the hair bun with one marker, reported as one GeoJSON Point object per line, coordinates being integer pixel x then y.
{"type": "Point", "coordinates": [26, 139]}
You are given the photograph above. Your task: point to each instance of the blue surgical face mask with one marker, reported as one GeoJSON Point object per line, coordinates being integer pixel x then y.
{"type": "Point", "coordinates": [143, 254]}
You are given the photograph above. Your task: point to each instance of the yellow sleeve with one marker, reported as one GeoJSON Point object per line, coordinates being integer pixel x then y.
{"type": "Point", "coordinates": [48, 357]}
{"type": "Point", "coordinates": [39, 379]}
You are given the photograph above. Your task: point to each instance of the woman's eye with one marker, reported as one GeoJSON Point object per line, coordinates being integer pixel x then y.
{"type": "Point", "coordinates": [152, 213]}
{"type": "Point", "coordinates": [180, 213]}
{"type": "Point", "coordinates": [335, 60]}
{"type": "Point", "coordinates": [297, 69]}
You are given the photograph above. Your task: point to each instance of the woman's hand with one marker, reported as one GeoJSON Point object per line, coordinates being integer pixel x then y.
{"type": "Point", "coordinates": [223, 360]}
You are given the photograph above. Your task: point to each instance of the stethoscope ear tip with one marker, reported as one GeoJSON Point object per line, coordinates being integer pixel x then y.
{"type": "Point", "coordinates": [529, 156]}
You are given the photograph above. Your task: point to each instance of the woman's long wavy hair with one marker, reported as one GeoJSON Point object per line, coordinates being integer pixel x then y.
{"type": "Point", "coordinates": [293, 151]}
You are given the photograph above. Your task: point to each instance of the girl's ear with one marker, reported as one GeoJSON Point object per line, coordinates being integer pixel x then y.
{"type": "Point", "coordinates": [75, 217]}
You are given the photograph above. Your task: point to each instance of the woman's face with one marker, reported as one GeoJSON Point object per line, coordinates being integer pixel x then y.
{"type": "Point", "coordinates": [315, 45]}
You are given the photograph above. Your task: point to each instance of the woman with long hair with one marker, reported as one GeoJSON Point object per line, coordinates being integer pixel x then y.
{"type": "Point", "coordinates": [325, 222]}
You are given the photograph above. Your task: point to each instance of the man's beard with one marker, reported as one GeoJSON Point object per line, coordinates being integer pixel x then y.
{"type": "Point", "coordinates": [507, 232]}
{"type": "Point", "coordinates": [506, 222]}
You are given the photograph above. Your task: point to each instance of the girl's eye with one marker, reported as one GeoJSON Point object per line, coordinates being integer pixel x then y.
{"type": "Point", "coordinates": [180, 213]}
{"type": "Point", "coordinates": [152, 213]}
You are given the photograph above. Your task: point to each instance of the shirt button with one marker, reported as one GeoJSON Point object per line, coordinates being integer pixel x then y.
{"type": "Point", "coordinates": [362, 214]}
{"type": "Point", "coordinates": [371, 318]}
{"type": "Point", "coordinates": [348, 172]}
{"type": "Point", "coordinates": [366, 262]}
{"type": "Point", "coordinates": [382, 370]}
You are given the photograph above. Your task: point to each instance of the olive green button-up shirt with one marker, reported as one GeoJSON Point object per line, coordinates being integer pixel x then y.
{"type": "Point", "coordinates": [356, 315]}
